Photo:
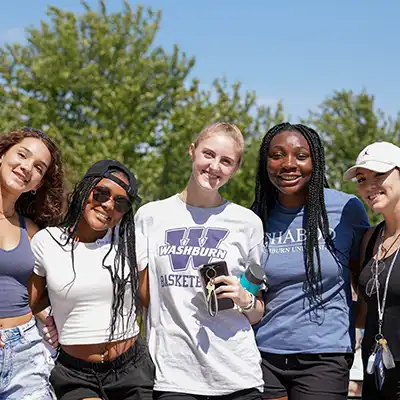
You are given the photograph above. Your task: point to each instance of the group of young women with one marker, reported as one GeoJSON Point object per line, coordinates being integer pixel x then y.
{"type": "Point", "coordinates": [131, 313]}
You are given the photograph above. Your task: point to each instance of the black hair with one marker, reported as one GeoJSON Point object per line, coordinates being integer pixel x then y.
{"type": "Point", "coordinates": [315, 211]}
{"type": "Point", "coordinates": [124, 269]}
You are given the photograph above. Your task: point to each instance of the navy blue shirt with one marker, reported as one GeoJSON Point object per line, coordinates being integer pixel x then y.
{"type": "Point", "coordinates": [292, 324]}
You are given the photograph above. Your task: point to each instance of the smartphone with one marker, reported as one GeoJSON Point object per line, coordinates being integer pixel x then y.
{"type": "Point", "coordinates": [210, 271]}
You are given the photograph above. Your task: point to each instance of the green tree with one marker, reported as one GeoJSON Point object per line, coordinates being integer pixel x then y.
{"type": "Point", "coordinates": [100, 86]}
{"type": "Point", "coordinates": [96, 81]}
{"type": "Point", "coordinates": [186, 122]}
{"type": "Point", "coordinates": [347, 123]}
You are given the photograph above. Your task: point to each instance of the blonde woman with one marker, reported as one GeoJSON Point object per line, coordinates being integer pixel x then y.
{"type": "Point", "coordinates": [197, 354]}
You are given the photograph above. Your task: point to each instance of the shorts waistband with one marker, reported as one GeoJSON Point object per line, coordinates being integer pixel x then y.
{"type": "Point", "coordinates": [16, 333]}
{"type": "Point", "coordinates": [135, 352]}
{"type": "Point", "coordinates": [304, 356]}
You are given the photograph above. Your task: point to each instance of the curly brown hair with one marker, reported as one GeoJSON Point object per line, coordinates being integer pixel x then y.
{"type": "Point", "coordinates": [45, 206]}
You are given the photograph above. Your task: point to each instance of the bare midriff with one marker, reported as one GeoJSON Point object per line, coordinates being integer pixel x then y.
{"type": "Point", "coordinates": [99, 352]}
{"type": "Point", "coordinates": [12, 322]}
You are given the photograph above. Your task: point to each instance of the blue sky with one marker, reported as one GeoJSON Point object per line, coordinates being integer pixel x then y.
{"type": "Point", "coordinates": [290, 50]}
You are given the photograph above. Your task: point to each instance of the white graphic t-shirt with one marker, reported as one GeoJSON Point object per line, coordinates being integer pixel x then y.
{"type": "Point", "coordinates": [194, 352]}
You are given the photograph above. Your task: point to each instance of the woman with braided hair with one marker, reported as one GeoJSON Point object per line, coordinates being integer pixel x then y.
{"type": "Point", "coordinates": [312, 235]}
{"type": "Point", "coordinates": [96, 290]}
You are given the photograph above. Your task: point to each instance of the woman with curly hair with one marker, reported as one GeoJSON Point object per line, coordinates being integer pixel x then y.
{"type": "Point", "coordinates": [88, 264]}
{"type": "Point", "coordinates": [31, 196]}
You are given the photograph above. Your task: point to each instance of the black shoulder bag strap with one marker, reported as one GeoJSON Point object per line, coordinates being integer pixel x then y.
{"type": "Point", "coordinates": [369, 251]}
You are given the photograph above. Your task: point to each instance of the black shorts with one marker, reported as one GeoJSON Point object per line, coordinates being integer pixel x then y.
{"type": "Point", "coordinates": [247, 394]}
{"type": "Point", "coordinates": [130, 376]}
{"type": "Point", "coordinates": [306, 376]}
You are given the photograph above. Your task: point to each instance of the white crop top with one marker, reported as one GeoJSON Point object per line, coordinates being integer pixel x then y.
{"type": "Point", "coordinates": [81, 301]}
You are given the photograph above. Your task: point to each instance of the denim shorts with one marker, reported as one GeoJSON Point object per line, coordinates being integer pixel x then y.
{"type": "Point", "coordinates": [24, 364]}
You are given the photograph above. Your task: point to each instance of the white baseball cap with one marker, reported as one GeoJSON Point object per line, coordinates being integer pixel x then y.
{"type": "Point", "coordinates": [378, 157]}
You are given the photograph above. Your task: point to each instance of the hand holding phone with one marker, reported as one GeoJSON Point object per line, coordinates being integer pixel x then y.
{"type": "Point", "coordinates": [208, 272]}
{"type": "Point", "coordinates": [222, 290]}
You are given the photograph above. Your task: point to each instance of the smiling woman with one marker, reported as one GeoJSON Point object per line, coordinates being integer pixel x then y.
{"type": "Point", "coordinates": [312, 243]}
{"type": "Point", "coordinates": [291, 149]}
{"type": "Point", "coordinates": [96, 289]}
{"type": "Point", "coordinates": [200, 353]}
{"type": "Point", "coordinates": [32, 171]}
{"type": "Point", "coordinates": [31, 195]}
{"type": "Point", "coordinates": [377, 172]}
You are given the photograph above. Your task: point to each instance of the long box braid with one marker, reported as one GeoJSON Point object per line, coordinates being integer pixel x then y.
{"type": "Point", "coordinates": [315, 210]}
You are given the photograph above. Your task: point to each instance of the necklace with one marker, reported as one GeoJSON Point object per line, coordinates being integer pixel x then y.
{"type": "Point", "coordinates": [383, 249]}
{"type": "Point", "coordinates": [381, 305]}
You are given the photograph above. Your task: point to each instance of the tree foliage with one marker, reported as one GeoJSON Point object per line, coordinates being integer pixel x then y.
{"type": "Point", "coordinates": [102, 89]}
{"type": "Point", "coordinates": [348, 122]}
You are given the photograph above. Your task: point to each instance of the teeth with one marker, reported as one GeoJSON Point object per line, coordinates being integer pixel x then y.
{"type": "Point", "coordinates": [375, 195]}
{"type": "Point", "coordinates": [211, 175]}
{"type": "Point", "coordinates": [21, 178]}
{"type": "Point", "coordinates": [102, 216]}
{"type": "Point", "coordinates": [289, 178]}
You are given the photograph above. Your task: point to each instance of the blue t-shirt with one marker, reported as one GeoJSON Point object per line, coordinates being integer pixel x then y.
{"type": "Point", "coordinates": [293, 324]}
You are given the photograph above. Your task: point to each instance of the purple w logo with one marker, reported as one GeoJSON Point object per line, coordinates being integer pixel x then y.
{"type": "Point", "coordinates": [195, 246]}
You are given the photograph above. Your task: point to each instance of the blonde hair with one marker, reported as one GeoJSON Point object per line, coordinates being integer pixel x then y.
{"type": "Point", "coordinates": [222, 128]}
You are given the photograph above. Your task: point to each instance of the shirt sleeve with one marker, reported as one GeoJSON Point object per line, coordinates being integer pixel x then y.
{"type": "Point", "coordinates": [256, 253]}
{"type": "Point", "coordinates": [256, 243]}
{"type": "Point", "coordinates": [357, 216]}
{"type": "Point", "coordinates": [37, 245]}
{"type": "Point", "coordinates": [142, 240]}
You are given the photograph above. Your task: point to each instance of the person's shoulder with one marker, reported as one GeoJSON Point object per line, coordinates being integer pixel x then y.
{"type": "Point", "coordinates": [155, 206]}
{"type": "Point", "coordinates": [339, 196]}
{"type": "Point", "coordinates": [241, 209]}
{"type": "Point", "coordinates": [46, 234]}
{"type": "Point", "coordinates": [155, 210]}
{"type": "Point", "coordinates": [244, 214]}
{"type": "Point", "coordinates": [367, 237]}
{"type": "Point", "coordinates": [368, 233]}
{"type": "Point", "coordinates": [31, 227]}
{"type": "Point", "coordinates": [349, 206]}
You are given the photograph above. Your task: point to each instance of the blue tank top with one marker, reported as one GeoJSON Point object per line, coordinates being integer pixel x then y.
{"type": "Point", "coordinates": [16, 266]}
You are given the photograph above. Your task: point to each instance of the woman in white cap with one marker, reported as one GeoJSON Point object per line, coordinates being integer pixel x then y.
{"type": "Point", "coordinates": [377, 172]}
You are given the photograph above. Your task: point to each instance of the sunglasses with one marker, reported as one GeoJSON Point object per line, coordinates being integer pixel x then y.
{"type": "Point", "coordinates": [377, 267]}
{"type": "Point", "coordinates": [102, 194]}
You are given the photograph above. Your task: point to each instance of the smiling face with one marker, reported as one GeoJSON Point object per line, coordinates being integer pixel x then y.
{"type": "Point", "coordinates": [289, 167]}
{"type": "Point", "coordinates": [24, 165]}
{"type": "Point", "coordinates": [102, 215]}
{"type": "Point", "coordinates": [381, 191]}
{"type": "Point", "coordinates": [215, 159]}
